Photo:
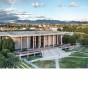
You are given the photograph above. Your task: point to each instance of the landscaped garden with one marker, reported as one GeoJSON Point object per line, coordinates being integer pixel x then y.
{"type": "Point", "coordinates": [78, 59]}
{"type": "Point", "coordinates": [45, 64]}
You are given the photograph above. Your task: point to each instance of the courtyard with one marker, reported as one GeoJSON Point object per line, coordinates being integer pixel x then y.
{"type": "Point", "coordinates": [57, 58]}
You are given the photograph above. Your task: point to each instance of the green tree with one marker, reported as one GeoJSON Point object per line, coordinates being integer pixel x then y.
{"type": "Point", "coordinates": [8, 60]}
{"type": "Point", "coordinates": [67, 39]}
{"type": "Point", "coordinates": [2, 60]}
{"type": "Point", "coordinates": [5, 52]}
{"type": "Point", "coordinates": [14, 60]}
{"type": "Point", "coordinates": [8, 44]}
{"type": "Point", "coordinates": [72, 40]}
{"type": "Point", "coordinates": [84, 42]}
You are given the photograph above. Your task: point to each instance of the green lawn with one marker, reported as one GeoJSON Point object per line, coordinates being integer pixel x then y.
{"type": "Point", "coordinates": [33, 57]}
{"type": "Point", "coordinates": [71, 62]}
{"type": "Point", "coordinates": [45, 64]}
{"type": "Point", "coordinates": [79, 54]}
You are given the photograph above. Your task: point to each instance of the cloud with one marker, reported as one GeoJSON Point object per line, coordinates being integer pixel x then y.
{"type": "Point", "coordinates": [74, 4]}
{"type": "Point", "coordinates": [37, 4]}
{"type": "Point", "coordinates": [7, 15]}
{"type": "Point", "coordinates": [11, 2]}
{"type": "Point", "coordinates": [8, 2]}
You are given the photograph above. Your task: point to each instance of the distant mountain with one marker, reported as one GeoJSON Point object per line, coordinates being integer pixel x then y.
{"type": "Point", "coordinates": [42, 22]}
{"type": "Point", "coordinates": [18, 16]}
{"type": "Point", "coordinates": [49, 22]}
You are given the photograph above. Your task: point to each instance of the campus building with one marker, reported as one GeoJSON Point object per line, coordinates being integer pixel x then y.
{"type": "Point", "coordinates": [34, 39]}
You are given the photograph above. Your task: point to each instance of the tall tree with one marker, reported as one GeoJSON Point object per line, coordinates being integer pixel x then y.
{"type": "Point", "coordinates": [8, 44]}
{"type": "Point", "coordinates": [8, 60]}
{"type": "Point", "coordinates": [67, 39]}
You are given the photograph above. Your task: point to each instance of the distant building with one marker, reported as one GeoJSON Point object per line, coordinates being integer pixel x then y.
{"type": "Point", "coordinates": [54, 29]}
{"type": "Point", "coordinates": [70, 33]}
{"type": "Point", "coordinates": [32, 28]}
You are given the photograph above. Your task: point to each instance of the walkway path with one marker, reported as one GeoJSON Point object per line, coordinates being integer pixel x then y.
{"type": "Point", "coordinates": [50, 54]}
{"type": "Point", "coordinates": [57, 63]}
{"type": "Point", "coordinates": [53, 53]}
{"type": "Point", "coordinates": [77, 56]}
{"type": "Point", "coordinates": [33, 65]}
{"type": "Point", "coordinates": [80, 52]}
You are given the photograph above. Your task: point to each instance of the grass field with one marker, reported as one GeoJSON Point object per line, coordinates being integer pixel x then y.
{"type": "Point", "coordinates": [76, 60]}
{"type": "Point", "coordinates": [79, 54]}
{"type": "Point", "coordinates": [73, 62]}
{"type": "Point", "coordinates": [45, 64]}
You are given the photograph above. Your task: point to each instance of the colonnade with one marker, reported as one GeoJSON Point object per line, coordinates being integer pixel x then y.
{"type": "Point", "coordinates": [40, 41]}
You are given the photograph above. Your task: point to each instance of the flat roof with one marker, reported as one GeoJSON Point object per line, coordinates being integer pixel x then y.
{"type": "Point", "coordinates": [30, 33]}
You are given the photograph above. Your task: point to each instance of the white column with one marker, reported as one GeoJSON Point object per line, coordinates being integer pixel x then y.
{"type": "Point", "coordinates": [53, 40]}
{"type": "Point", "coordinates": [21, 43]}
{"type": "Point", "coordinates": [61, 39]}
{"type": "Point", "coordinates": [48, 40]}
{"type": "Point", "coordinates": [27, 42]}
{"type": "Point", "coordinates": [33, 42]}
{"type": "Point", "coordinates": [57, 39]}
{"type": "Point", "coordinates": [39, 40]}
{"type": "Point", "coordinates": [44, 41]}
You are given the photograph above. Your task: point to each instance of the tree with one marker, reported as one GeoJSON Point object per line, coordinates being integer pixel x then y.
{"type": "Point", "coordinates": [13, 60]}
{"type": "Point", "coordinates": [8, 44]}
{"type": "Point", "coordinates": [5, 52]}
{"type": "Point", "coordinates": [8, 59]}
{"type": "Point", "coordinates": [84, 42]}
{"type": "Point", "coordinates": [67, 39]}
{"type": "Point", "coordinates": [2, 60]}
{"type": "Point", "coordinates": [72, 40]}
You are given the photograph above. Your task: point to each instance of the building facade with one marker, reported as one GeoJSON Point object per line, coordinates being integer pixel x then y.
{"type": "Point", "coordinates": [34, 39]}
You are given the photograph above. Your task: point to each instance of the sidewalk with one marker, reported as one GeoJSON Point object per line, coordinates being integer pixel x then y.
{"type": "Point", "coordinates": [33, 65]}
{"type": "Point", "coordinates": [57, 63]}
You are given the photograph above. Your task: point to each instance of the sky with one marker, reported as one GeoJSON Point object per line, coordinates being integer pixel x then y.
{"type": "Point", "coordinates": [54, 9]}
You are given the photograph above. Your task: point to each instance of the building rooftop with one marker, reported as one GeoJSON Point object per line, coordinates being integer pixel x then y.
{"type": "Point", "coordinates": [30, 33]}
